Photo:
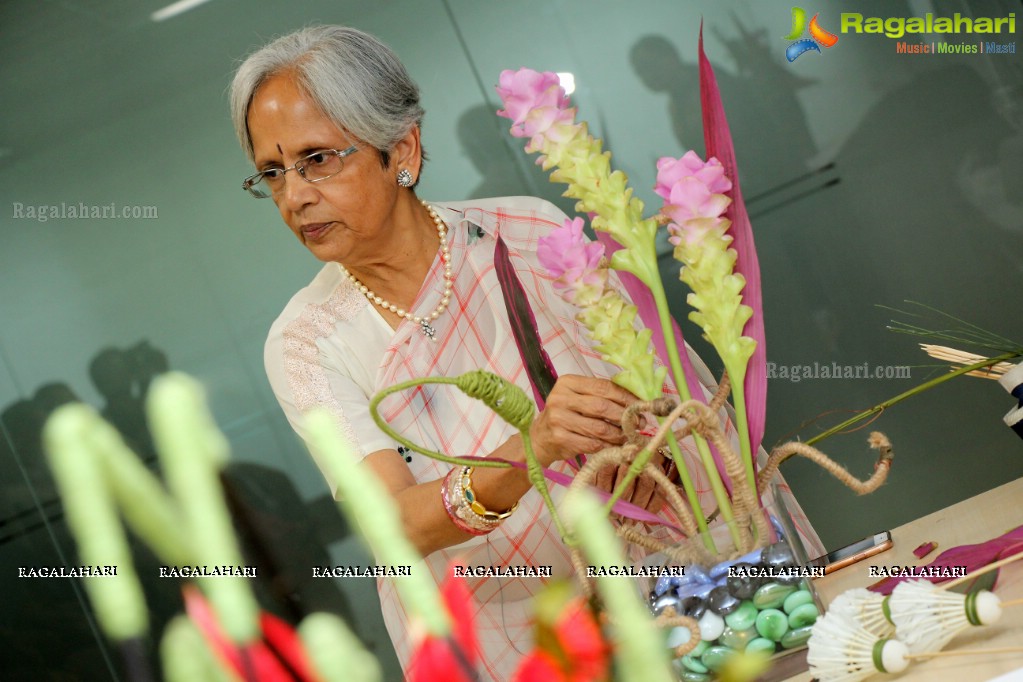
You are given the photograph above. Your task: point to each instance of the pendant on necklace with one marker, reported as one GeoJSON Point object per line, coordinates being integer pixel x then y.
{"type": "Point", "coordinates": [428, 330]}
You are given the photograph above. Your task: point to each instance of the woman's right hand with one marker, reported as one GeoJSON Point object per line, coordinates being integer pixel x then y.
{"type": "Point", "coordinates": [581, 415]}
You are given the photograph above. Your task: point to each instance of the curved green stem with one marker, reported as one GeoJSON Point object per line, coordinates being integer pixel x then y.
{"type": "Point", "coordinates": [535, 474]}
{"type": "Point", "coordinates": [386, 428]}
{"type": "Point", "coordinates": [910, 393]}
{"type": "Point", "coordinates": [533, 469]}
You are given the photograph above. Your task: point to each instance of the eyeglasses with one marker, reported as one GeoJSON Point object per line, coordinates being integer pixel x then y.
{"type": "Point", "coordinates": [318, 166]}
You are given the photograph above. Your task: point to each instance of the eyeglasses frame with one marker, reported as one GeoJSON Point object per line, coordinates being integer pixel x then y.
{"type": "Point", "coordinates": [299, 165]}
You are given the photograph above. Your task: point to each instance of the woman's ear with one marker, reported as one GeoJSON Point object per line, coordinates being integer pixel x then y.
{"type": "Point", "coordinates": [408, 154]}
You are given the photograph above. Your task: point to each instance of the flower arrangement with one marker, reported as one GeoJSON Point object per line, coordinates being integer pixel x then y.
{"type": "Point", "coordinates": [707, 224]}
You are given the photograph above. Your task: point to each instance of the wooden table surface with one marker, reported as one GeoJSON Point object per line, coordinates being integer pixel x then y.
{"type": "Point", "coordinates": [971, 521]}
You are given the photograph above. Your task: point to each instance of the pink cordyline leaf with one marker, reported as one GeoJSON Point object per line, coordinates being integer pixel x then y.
{"type": "Point", "coordinates": [973, 557]}
{"type": "Point", "coordinates": [718, 141]}
{"type": "Point", "coordinates": [647, 309]}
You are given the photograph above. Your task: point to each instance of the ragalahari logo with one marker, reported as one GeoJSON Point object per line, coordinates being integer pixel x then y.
{"type": "Point", "coordinates": [818, 36]}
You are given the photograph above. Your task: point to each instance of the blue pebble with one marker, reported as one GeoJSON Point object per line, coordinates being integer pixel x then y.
{"type": "Point", "coordinates": [700, 590]}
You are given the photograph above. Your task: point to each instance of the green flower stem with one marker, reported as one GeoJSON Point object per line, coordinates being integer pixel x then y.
{"type": "Point", "coordinates": [716, 486]}
{"type": "Point", "coordinates": [880, 407]}
{"type": "Point", "coordinates": [193, 451]}
{"type": "Point", "coordinates": [742, 426]}
{"type": "Point", "coordinates": [533, 469]}
{"type": "Point", "coordinates": [639, 649]}
{"type": "Point", "coordinates": [364, 499]}
{"type": "Point", "coordinates": [92, 517]}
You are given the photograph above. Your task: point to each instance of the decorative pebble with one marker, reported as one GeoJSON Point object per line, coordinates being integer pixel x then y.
{"type": "Point", "coordinates": [793, 579]}
{"type": "Point", "coordinates": [700, 648]}
{"type": "Point", "coordinates": [694, 607]}
{"type": "Point", "coordinates": [678, 636]}
{"type": "Point", "coordinates": [666, 600]}
{"type": "Point", "coordinates": [772, 595]}
{"type": "Point", "coordinates": [738, 639]}
{"type": "Point", "coordinates": [796, 638]}
{"type": "Point", "coordinates": [719, 571]}
{"type": "Point", "coordinates": [743, 617]}
{"type": "Point", "coordinates": [711, 626]}
{"type": "Point", "coordinates": [803, 615]}
{"type": "Point", "coordinates": [772, 624]}
{"type": "Point", "coordinates": [663, 584]}
{"type": "Point", "coordinates": [761, 644]}
{"type": "Point", "coordinates": [743, 586]}
{"type": "Point", "coordinates": [722, 601]}
{"type": "Point", "coordinates": [778, 554]}
{"type": "Point", "coordinates": [693, 664]}
{"type": "Point", "coordinates": [690, 676]}
{"type": "Point", "coordinates": [700, 590]}
{"type": "Point", "coordinates": [696, 574]}
{"type": "Point", "coordinates": [715, 657]}
{"type": "Point", "coordinates": [776, 524]}
{"type": "Point", "coordinates": [797, 598]}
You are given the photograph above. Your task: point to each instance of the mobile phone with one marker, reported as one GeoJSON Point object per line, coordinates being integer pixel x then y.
{"type": "Point", "coordinates": [857, 551]}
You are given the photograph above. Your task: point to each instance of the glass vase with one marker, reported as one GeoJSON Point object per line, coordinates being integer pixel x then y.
{"type": "Point", "coordinates": [758, 597]}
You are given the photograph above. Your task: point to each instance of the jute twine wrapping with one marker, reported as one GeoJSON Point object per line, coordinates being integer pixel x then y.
{"type": "Point", "coordinates": [705, 420]}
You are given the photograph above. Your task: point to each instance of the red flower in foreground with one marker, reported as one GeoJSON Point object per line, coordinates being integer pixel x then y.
{"type": "Point", "coordinates": [569, 649]}
{"type": "Point", "coordinates": [452, 658]}
{"type": "Point", "coordinates": [277, 657]}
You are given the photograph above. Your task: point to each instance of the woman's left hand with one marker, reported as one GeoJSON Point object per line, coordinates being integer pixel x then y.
{"type": "Point", "coordinates": [642, 491]}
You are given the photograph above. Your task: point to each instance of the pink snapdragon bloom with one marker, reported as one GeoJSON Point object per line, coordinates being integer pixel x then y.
{"type": "Point", "coordinates": [694, 196]}
{"type": "Point", "coordinates": [536, 103]}
{"type": "Point", "coordinates": [576, 263]}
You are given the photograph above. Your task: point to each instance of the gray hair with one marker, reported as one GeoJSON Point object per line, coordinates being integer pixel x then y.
{"type": "Point", "coordinates": [355, 80]}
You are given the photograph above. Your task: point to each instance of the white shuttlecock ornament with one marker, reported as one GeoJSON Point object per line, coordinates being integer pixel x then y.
{"type": "Point", "coordinates": [840, 650]}
{"type": "Point", "coordinates": [867, 608]}
{"type": "Point", "coordinates": [927, 617]}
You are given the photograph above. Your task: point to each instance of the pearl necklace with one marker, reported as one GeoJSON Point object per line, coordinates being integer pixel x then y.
{"type": "Point", "coordinates": [424, 322]}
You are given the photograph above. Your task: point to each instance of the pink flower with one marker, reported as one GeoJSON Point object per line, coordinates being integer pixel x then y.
{"type": "Point", "coordinates": [524, 90]}
{"type": "Point", "coordinates": [694, 198]}
{"type": "Point", "coordinates": [670, 171]}
{"type": "Point", "coordinates": [691, 199]}
{"type": "Point", "coordinates": [536, 104]}
{"type": "Point", "coordinates": [575, 263]}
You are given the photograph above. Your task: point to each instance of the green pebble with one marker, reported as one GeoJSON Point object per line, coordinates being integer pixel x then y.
{"type": "Point", "coordinates": [690, 676]}
{"type": "Point", "coordinates": [772, 624]}
{"type": "Point", "coordinates": [804, 615]}
{"type": "Point", "coordinates": [693, 664]}
{"type": "Point", "coordinates": [738, 639]}
{"type": "Point", "coordinates": [797, 598]}
{"type": "Point", "coordinates": [772, 595]}
{"type": "Point", "coordinates": [761, 644]}
{"type": "Point", "coordinates": [743, 617]}
{"type": "Point", "coordinates": [716, 656]}
{"type": "Point", "coordinates": [700, 648]}
{"type": "Point", "coordinates": [796, 638]}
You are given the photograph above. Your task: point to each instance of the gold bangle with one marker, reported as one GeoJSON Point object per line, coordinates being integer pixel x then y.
{"type": "Point", "coordinates": [474, 504]}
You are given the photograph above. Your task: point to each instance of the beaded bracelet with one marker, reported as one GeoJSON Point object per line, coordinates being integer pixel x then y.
{"type": "Point", "coordinates": [447, 494]}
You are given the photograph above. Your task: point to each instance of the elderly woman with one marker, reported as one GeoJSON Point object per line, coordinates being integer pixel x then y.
{"type": "Point", "coordinates": [331, 120]}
